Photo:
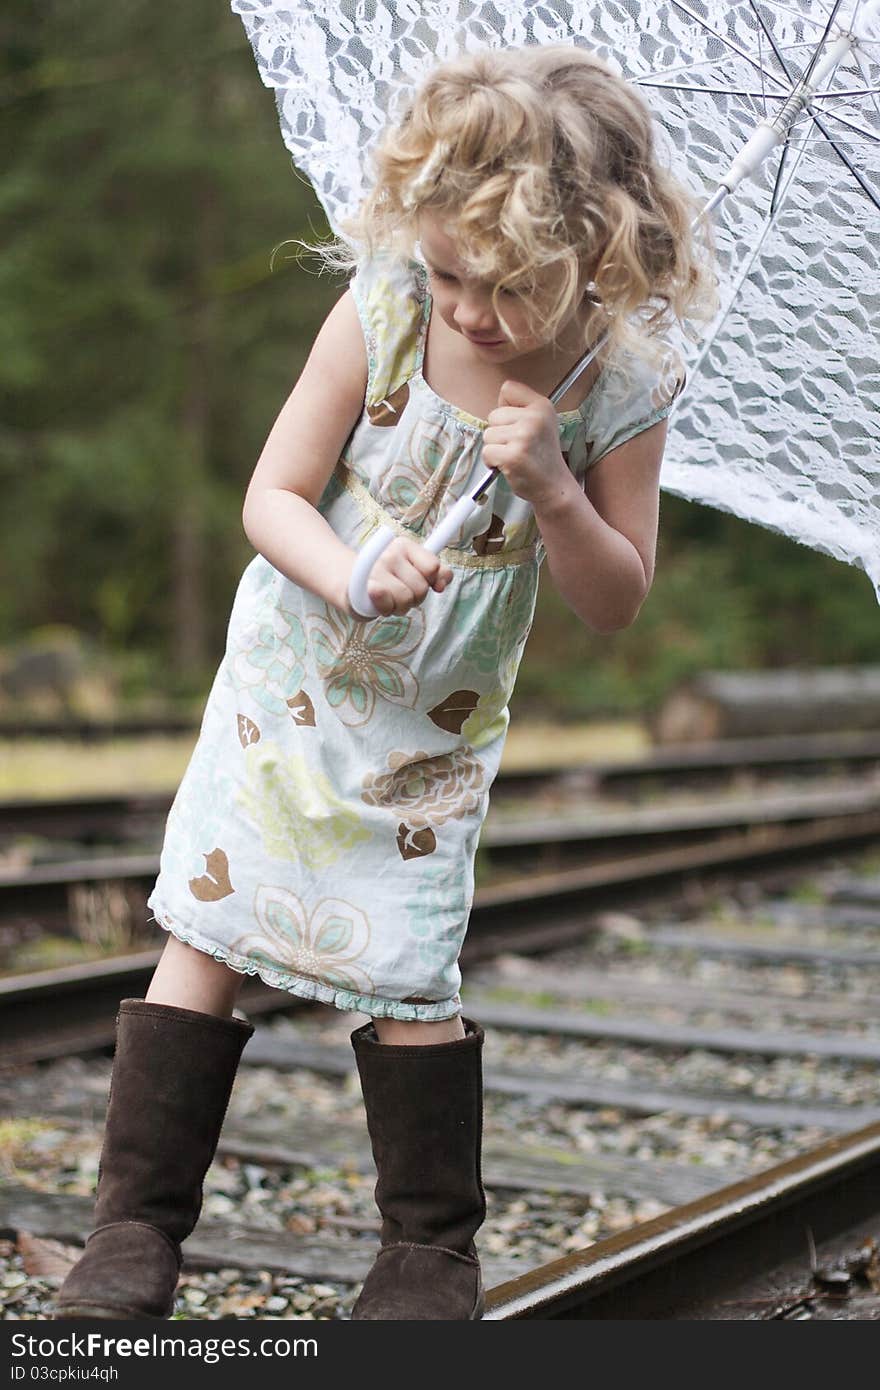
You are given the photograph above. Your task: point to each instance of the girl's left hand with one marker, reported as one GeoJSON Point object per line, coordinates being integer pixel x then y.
{"type": "Point", "coordinates": [521, 440]}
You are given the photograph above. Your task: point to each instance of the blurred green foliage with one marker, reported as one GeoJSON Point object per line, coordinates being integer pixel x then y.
{"type": "Point", "coordinates": [726, 596]}
{"type": "Point", "coordinates": [148, 338]}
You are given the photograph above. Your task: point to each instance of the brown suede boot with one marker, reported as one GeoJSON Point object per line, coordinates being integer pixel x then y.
{"type": "Point", "coordinates": [172, 1078]}
{"type": "Point", "coordinates": [425, 1116]}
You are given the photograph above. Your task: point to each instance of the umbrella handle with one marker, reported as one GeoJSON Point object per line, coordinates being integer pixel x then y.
{"type": "Point", "coordinates": [443, 533]}
{"type": "Point", "coordinates": [439, 538]}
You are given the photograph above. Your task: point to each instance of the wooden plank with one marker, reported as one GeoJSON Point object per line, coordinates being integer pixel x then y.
{"type": "Point", "coordinates": [600, 823]}
{"type": "Point", "coordinates": [712, 944]}
{"type": "Point", "coordinates": [567, 1024]}
{"type": "Point", "coordinates": [342, 1142]}
{"type": "Point", "coordinates": [583, 983]}
{"type": "Point", "coordinates": [217, 1244]}
{"type": "Point", "coordinates": [864, 891]}
{"type": "Point", "coordinates": [743, 704]}
{"type": "Point", "coordinates": [528, 1165]}
{"type": "Point", "coordinates": [288, 1054]}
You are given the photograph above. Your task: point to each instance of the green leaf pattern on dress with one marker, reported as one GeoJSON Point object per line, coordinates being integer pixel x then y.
{"type": "Point", "coordinates": [299, 814]}
{"type": "Point", "coordinates": [270, 665]}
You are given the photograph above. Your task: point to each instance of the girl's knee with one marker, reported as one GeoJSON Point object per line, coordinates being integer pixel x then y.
{"type": "Point", "coordinates": [193, 979]}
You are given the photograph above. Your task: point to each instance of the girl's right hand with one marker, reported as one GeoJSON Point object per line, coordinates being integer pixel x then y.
{"type": "Point", "coordinates": [403, 574]}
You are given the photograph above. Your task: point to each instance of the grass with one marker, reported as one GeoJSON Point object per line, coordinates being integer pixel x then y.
{"type": "Point", "coordinates": [65, 767]}
{"type": "Point", "coordinates": [552, 744]}
{"type": "Point", "coordinates": [543, 999]}
{"type": "Point", "coordinates": [31, 767]}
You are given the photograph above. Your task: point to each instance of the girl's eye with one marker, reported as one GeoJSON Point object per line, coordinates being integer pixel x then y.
{"type": "Point", "coordinates": [452, 280]}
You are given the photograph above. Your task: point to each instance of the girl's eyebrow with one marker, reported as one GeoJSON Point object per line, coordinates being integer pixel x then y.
{"type": "Point", "coordinates": [432, 263]}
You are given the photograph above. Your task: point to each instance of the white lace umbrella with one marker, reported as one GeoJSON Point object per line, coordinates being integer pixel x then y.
{"type": "Point", "coordinates": [780, 421]}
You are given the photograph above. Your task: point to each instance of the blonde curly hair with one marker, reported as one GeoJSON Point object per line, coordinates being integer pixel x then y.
{"type": "Point", "coordinates": [541, 163]}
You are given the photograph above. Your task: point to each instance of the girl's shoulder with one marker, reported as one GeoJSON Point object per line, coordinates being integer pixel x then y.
{"type": "Point", "coordinates": [389, 293]}
{"type": "Point", "coordinates": [636, 391]}
{"type": "Point", "coordinates": [383, 261]}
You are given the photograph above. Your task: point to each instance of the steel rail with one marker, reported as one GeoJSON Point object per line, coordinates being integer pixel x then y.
{"type": "Point", "coordinates": [742, 1246]}
{"type": "Point", "coordinates": [601, 834]}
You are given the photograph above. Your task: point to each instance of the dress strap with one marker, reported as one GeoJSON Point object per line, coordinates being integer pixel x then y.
{"type": "Point", "coordinates": [420, 276]}
{"type": "Point", "coordinates": [391, 305]}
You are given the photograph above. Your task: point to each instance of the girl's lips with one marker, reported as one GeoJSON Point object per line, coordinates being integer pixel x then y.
{"type": "Point", "coordinates": [484, 342]}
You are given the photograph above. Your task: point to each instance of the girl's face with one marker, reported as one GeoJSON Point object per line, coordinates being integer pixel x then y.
{"type": "Point", "coordinates": [465, 304]}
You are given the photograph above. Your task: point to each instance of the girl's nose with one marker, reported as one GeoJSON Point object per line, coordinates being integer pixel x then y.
{"type": "Point", "coordinates": [474, 314]}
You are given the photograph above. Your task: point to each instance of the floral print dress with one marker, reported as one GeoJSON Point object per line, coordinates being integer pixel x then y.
{"type": "Point", "coordinates": [324, 833]}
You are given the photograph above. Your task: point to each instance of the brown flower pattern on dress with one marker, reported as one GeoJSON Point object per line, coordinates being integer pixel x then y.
{"type": "Point", "coordinates": [415, 844]}
{"type": "Point", "coordinates": [248, 731]}
{"type": "Point", "coordinates": [214, 884]}
{"type": "Point", "coordinates": [427, 789]}
{"type": "Point", "coordinates": [301, 709]}
{"type": "Point", "coordinates": [452, 711]}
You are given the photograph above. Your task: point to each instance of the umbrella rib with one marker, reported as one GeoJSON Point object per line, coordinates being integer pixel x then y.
{"type": "Point", "coordinates": [746, 92]}
{"type": "Point", "coordinates": [728, 43]}
{"type": "Point", "coordinates": [844, 158]}
{"type": "Point", "coordinates": [745, 270]}
{"type": "Point", "coordinates": [848, 92]}
{"type": "Point", "coordinates": [761, 61]}
{"type": "Point", "coordinates": [717, 62]}
{"type": "Point", "coordinates": [770, 39]}
{"type": "Point", "coordinates": [861, 64]}
{"type": "Point", "coordinates": [821, 44]}
{"type": "Point", "coordinates": [776, 195]}
{"type": "Point", "coordinates": [851, 125]}
{"type": "Point", "coordinates": [715, 91]}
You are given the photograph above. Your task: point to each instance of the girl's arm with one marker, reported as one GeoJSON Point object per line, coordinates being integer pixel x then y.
{"type": "Point", "coordinates": [279, 516]}
{"type": "Point", "coordinates": [601, 540]}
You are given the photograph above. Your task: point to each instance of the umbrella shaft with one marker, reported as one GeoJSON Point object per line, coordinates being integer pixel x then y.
{"type": "Point", "coordinates": [768, 134]}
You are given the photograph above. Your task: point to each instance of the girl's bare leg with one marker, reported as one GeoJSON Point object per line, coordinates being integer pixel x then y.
{"type": "Point", "coordinates": [393, 1031]}
{"type": "Point", "coordinates": [189, 979]}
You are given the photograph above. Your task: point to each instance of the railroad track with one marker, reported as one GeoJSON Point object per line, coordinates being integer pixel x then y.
{"type": "Point", "coordinates": [120, 816]}
{"type": "Point", "coordinates": [627, 1035]}
{"type": "Point", "coordinates": [53, 1013]}
{"type": "Point", "coordinates": [745, 1038]}
{"type": "Point", "coordinates": [792, 1242]}
{"type": "Point", "coordinates": [522, 845]}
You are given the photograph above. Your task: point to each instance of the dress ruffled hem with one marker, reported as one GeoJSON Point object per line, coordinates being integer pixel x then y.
{"type": "Point", "coordinates": [305, 988]}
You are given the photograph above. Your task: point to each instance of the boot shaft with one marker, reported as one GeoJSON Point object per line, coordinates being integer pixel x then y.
{"type": "Point", "coordinates": [425, 1119]}
{"type": "Point", "coordinates": [172, 1077]}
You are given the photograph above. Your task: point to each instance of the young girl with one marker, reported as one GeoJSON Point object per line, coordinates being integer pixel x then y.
{"type": "Point", "coordinates": [324, 834]}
